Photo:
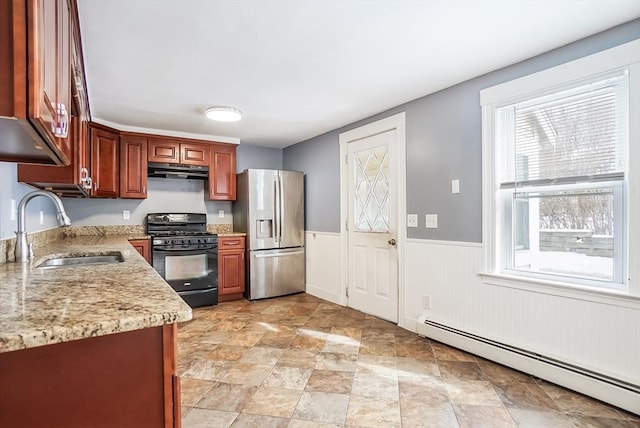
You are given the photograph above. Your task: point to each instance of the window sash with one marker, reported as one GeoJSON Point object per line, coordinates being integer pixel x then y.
{"type": "Point", "coordinates": [507, 200]}
{"type": "Point", "coordinates": [521, 157]}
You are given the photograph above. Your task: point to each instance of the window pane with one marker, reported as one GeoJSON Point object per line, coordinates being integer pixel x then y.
{"type": "Point", "coordinates": [572, 233]}
{"type": "Point", "coordinates": [372, 190]}
{"type": "Point", "coordinates": [577, 132]}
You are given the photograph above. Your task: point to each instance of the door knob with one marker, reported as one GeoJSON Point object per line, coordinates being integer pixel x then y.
{"type": "Point", "coordinates": [392, 241]}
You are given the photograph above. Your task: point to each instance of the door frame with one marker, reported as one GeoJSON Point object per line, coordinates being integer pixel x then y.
{"type": "Point", "coordinates": [397, 122]}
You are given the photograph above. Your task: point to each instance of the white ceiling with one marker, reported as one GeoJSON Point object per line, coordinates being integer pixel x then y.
{"type": "Point", "coordinates": [300, 68]}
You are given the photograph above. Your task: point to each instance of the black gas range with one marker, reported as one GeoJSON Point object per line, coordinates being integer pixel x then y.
{"type": "Point", "coordinates": [185, 255]}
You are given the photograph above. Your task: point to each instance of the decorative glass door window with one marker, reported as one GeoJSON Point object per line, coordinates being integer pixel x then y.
{"type": "Point", "coordinates": [371, 185]}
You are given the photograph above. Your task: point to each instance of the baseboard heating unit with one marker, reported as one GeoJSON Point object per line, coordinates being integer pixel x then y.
{"type": "Point", "coordinates": [608, 389]}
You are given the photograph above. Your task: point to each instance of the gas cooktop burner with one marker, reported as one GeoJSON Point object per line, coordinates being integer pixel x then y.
{"type": "Point", "coordinates": [173, 233]}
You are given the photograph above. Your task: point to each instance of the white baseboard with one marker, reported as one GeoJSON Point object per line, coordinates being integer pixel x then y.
{"type": "Point", "coordinates": [602, 390]}
{"type": "Point", "coordinates": [324, 294]}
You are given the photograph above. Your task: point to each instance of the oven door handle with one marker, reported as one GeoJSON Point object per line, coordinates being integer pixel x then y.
{"type": "Point", "coordinates": [193, 292]}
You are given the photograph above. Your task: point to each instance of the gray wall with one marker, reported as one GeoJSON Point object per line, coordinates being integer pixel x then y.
{"type": "Point", "coordinates": [251, 156]}
{"type": "Point", "coordinates": [11, 189]}
{"type": "Point", "coordinates": [444, 141]}
{"type": "Point", "coordinates": [319, 160]}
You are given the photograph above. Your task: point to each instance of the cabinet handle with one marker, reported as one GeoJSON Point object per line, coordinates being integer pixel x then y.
{"type": "Point", "coordinates": [87, 183]}
{"type": "Point", "coordinates": [85, 180]}
{"type": "Point", "coordinates": [231, 242]}
{"type": "Point", "coordinates": [61, 124]}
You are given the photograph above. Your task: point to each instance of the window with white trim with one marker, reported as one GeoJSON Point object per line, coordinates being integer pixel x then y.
{"type": "Point", "coordinates": [557, 206]}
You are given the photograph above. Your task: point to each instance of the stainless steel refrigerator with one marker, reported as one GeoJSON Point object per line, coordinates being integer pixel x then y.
{"type": "Point", "coordinates": [269, 208]}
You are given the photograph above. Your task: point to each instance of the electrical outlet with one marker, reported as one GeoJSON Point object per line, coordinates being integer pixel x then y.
{"type": "Point", "coordinates": [41, 217]}
{"type": "Point", "coordinates": [412, 220]}
{"type": "Point", "coordinates": [426, 301]}
{"type": "Point", "coordinates": [14, 210]}
{"type": "Point", "coordinates": [221, 214]}
{"type": "Point", "coordinates": [431, 221]}
{"type": "Point", "coordinates": [455, 186]}
{"type": "Point", "coordinates": [126, 214]}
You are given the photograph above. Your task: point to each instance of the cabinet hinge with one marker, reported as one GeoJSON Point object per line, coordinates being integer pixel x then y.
{"type": "Point", "coordinates": [347, 291]}
{"type": "Point", "coordinates": [346, 159]}
{"type": "Point", "coordinates": [346, 225]}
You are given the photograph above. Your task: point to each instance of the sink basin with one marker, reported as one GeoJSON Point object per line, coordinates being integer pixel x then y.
{"type": "Point", "coordinates": [87, 259]}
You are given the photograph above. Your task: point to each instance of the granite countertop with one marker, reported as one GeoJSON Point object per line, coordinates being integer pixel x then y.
{"type": "Point", "coordinates": [46, 306]}
{"type": "Point", "coordinates": [231, 234]}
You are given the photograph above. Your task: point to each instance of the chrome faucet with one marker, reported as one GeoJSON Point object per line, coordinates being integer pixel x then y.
{"type": "Point", "coordinates": [23, 250]}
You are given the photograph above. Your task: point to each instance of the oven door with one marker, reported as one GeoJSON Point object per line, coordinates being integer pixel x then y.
{"type": "Point", "coordinates": [187, 269]}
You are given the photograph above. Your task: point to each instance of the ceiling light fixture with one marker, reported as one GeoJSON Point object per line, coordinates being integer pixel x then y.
{"type": "Point", "coordinates": [223, 114]}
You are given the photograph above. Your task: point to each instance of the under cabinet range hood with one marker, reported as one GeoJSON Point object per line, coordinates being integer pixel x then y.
{"type": "Point", "coordinates": [172, 170]}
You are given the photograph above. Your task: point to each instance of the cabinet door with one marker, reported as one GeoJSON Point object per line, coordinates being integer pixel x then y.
{"type": "Point", "coordinates": [165, 151]}
{"type": "Point", "coordinates": [194, 154]}
{"type": "Point", "coordinates": [105, 146]}
{"type": "Point", "coordinates": [222, 173]}
{"type": "Point", "coordinates": [230, 271]}
{"type": "Point", "coordinates": [133, 167]}
{"type": "Point", "coordinates": [50, 73]}
{"type": "Point", "coordinates": [142, 246]}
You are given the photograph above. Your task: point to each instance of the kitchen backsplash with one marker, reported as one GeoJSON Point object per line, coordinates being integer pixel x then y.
{"type": "Point", "coordinates": [39, 239]}
{"type": "Point", "coordinates": [129, 230]}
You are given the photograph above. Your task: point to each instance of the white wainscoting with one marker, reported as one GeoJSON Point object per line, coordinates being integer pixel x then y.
{"type": "Point", "coordinates": [603, 337]}
{"type": "Point", "coordinates": [323, 266]}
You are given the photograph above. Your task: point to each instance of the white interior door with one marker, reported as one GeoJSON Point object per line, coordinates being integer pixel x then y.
{"type": "Point", "coordinates": [372, 225]}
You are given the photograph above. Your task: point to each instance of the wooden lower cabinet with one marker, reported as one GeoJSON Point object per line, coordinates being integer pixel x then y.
{"type": "Point", "coordinates": [118, 380]}
{"type": "Point", "coordinates": [230, 268]}
{"type": "Point", "coordinates": [143, 246]}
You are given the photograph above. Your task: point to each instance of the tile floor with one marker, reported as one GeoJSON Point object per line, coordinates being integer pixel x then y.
{"type": "Point", "coordinates": [301, 362]}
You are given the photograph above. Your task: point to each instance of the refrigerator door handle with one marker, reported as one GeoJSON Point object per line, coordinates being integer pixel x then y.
{"type": "Point", "coordinates": [281, 210]}
{"type": "Point", "coordinates": [288, 253]}
{"type": "Point", "coordinates": [276, 210]}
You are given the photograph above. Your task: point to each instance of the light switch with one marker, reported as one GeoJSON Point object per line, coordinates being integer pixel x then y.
{"type": "Point", "coordinates": [220, 213]}
{"type": "Point", "coordinates": [412, 220]}
{"type": "Point", "coordinates": [126, 215]}
{"type": "Point", "coordinates": [431, 221]}
{"type": "Point", "coordinates": [455, 186]}
{"type": "Point", "coordinates": [14, 210]}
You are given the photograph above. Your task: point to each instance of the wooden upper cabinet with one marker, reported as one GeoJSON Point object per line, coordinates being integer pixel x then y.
{"type": "Point", "coordinates": [133, 167]}
{"type": "Point", "coordinates": [70, 181]}
{"type": "Point", "coordinates": [73, 180]}
{"type": "Point", "coordinates": [222, 172]}
{"type": "Point", "coordinates": [173, 151]}
{"type": "Point", "coordinates": [165, 151]}
{"type": "Point", "coordinates": [194, 154]}
{"type": "Point", "coordinates": [35, 80]}
{"type": "Point", "coordinates": [105, 148]}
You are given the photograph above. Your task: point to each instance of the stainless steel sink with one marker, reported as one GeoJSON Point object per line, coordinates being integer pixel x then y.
{"type": "Point", "coordinates": [87, 259]}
